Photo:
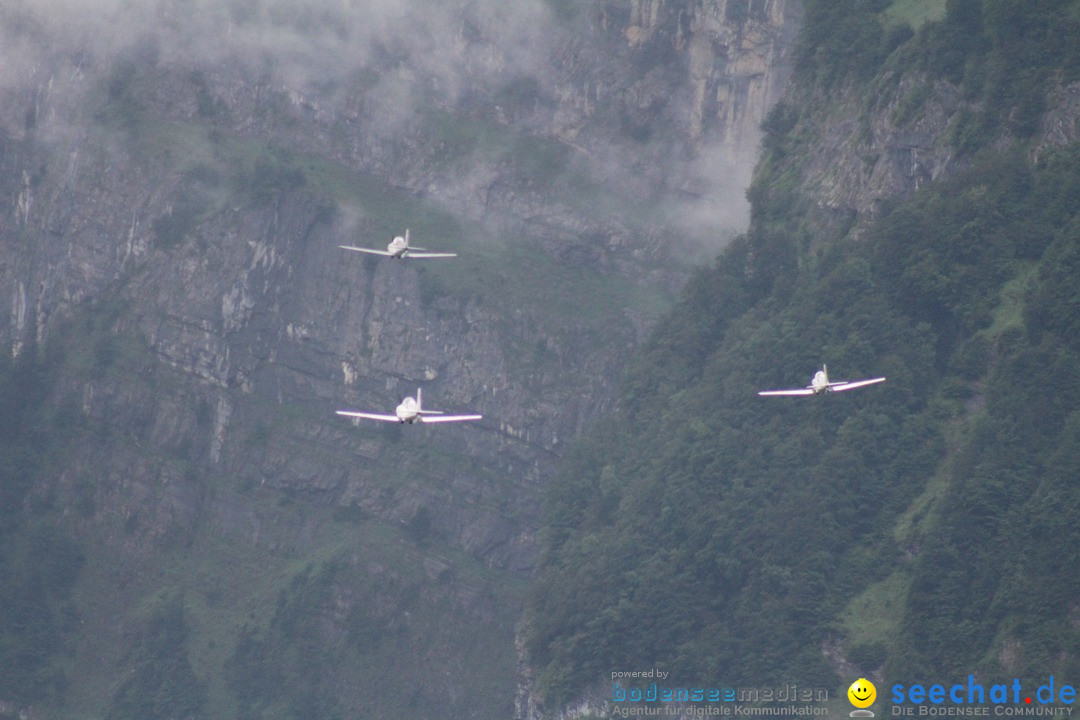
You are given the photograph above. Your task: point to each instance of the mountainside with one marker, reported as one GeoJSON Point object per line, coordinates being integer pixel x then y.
{"type": "Point", "coordinates": [188, 529]}
{"type": "Point", "coordinates": [916, 214]}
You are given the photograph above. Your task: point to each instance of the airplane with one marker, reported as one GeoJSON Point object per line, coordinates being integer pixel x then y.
{"type": "Point", "coordinates": [409, 411]}
{"type": "Point", "coordinates": [821, 384]}
{"type": "Point", "coordinates": [399, 248]}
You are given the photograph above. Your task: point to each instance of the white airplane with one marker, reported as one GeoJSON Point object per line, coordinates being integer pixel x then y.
{"type": "Point", "coordinates": [409, 411]}
{"type": "Point", "coordinates": [399, 248]}
{"type": "Point", "coordinates": [821, 384]}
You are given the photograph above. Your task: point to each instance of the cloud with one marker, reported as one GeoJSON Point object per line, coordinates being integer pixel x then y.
{"type": "Point", "coordinates": [304, 43]}
{"type": "Point", "coordinates": [387, 60]}
{"type": "Point", "coordinates": [713, 205]}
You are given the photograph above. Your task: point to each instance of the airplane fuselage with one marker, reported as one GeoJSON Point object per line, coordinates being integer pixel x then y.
{"type": "Point", "coordinates": [408, 411]}
{"type": "Point", "coordinates": [411, 410]}
{"type": "Point", "coordinates": [820, 384]}
{"type": "Point", "coordinates": [397, 247]}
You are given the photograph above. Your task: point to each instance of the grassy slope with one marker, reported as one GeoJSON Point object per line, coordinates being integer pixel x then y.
{"type": "Point", "coordinates": [226, 583]}
{"type": "Point", "coordinates": [233, 572]}
{"type": "Point", "coordinates": [915, 13]}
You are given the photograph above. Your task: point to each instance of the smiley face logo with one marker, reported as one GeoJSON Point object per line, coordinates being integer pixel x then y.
{"type": "Point", "coordinates": [862, 693]}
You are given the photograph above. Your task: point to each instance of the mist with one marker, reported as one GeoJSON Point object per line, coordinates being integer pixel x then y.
{"type": "Point", "coordinates": [305, 43]}
{"type": "Point", "coordinates": [387, 61]}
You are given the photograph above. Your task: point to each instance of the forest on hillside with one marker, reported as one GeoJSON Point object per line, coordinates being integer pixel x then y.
{"type": "Point", "coordinates": [920, 528]}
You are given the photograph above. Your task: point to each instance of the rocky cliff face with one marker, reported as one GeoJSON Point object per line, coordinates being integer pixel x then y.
{"type": "Point", "coordinates": [174, 202]}
{"type": "Point", "coordinates": [909, 139]}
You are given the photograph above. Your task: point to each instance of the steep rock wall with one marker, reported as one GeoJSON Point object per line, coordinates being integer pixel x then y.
{"type": "Point", "coordinates": [116, 191]}
{"type": "Point", "coordinates": [171, 223]}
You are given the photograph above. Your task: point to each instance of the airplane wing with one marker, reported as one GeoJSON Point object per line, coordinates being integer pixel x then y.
{"type": "Point", "coordinates": [369, 416]}
{"type": "Point", "coordinates": [366, 250]}
{"type": "Point", "coordinates": [410, 253]}
{"type": "Point", "coordinates": [840, 387]}
{"type": "Point", "coordinates": [800, 391]}
{"type": "Point", "coordinates": [448, 418]}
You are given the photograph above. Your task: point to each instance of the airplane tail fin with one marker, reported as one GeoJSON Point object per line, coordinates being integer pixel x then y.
{"type": "Point", "coordinates": [419, 397]}
{"type": "Point", "coordinates": [420, 406]}
{"type": "Point", "coordinates": [408, 243]}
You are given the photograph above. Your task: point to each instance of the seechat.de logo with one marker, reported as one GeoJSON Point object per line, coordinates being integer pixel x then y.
{"type": "Point", "coordinates": [862, 695]}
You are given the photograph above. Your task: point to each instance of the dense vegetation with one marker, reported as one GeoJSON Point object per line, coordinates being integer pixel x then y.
{"type": "Point", "coordinates": [996, 566]}
{"type": "Point", "coordinates": [730, 538]}
{"type": "Point", "coordinates": [285, 674]}
{"type": "Point", "coordinates": [39, 562]}
{"type": "Point", "coordinates": [160, 681]}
